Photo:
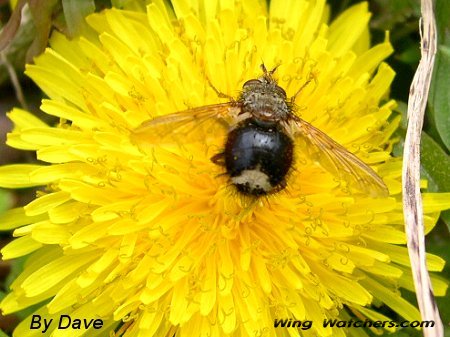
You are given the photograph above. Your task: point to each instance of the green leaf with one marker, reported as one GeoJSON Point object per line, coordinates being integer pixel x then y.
{"type": "Point", "coordinates": [410, 56]}
{"type": "Point", "coordinates": [2, 334]}
{"type": "Point", "coordinates": [17, 267]}
{"type": "Point", "coordinates": [405, 332]}
{"type": "Point", "coordinates": [436, 163]}
{"type": "Point", "coordinates": [74, 12]}
{"type": "Point", "coordinates": [391, 13]}
{"type": "Point", "coordinates": [137, 5]}
{"type": "Point", "coordinates": [42, 13]}
{"type": "Point", "coordinates": [439, 101]}
{"type": "Point", "coordinates": [445, 216]}
{"type": "Point", "coordinates": [119, 3]}
{"type": "Point", "coordinates": [442, 11]}
{"type": "Point", "coordinates": [5, 200]}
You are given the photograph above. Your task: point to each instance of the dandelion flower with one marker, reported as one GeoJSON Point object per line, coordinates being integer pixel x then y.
{"type": "Point", "coordinates": [153, 240]}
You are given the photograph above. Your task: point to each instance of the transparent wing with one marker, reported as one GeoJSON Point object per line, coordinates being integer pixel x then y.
{"type": "Point", "coordinates": [188, 125]}
{"type": "Point", "coordinates": [336, 159]}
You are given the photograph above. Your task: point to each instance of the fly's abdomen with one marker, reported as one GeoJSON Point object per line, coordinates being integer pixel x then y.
{"type": "Point", "coordinates": [258, 157]}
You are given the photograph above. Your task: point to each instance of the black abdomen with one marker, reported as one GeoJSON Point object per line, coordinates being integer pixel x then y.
{"type": "Point", "coordinates": [258, 157]}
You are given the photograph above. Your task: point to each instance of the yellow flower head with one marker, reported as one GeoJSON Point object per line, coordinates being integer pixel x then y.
{"type": "Point", "coordinates": [152, 239]}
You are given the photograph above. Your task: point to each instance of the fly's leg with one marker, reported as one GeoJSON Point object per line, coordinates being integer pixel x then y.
{"type": "Point", "coordinates": [219, 159]}
{"type": "Point", "coordinates": [219, 93]}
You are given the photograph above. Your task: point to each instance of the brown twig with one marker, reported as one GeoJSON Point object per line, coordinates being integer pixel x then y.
{"type": "Point", "coordinates": [412, 200]}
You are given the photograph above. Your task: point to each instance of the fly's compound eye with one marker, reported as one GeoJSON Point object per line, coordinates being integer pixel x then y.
{"type": "Point", "coordinates": [251, 83]}
{"type": "Point", "coordinates": [280, 91]}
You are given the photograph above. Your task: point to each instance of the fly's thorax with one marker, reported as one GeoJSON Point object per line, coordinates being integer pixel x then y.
{"type": "Point", "coordinates": [265, 100]}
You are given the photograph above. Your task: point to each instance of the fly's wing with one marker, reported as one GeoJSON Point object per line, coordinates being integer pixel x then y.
{"type": "Point", "coordinates": [336, 159]}
{"type": "Point", "coordinates": [187, 126]}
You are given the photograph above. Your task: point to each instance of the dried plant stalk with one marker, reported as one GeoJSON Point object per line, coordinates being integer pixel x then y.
{"type": "Point", "coordinates": [412, 200]}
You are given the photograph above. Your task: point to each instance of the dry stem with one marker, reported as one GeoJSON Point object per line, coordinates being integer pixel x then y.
{"type": "Point", "coordinates": [412, 200]}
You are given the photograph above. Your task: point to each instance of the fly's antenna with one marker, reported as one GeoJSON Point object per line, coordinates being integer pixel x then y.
{"type": "Point", "coordinates": [311, 77]}
{"type": "Point", "coordinates": [263, 68]}
{"type": "Point", "coordinates": [268, 73]}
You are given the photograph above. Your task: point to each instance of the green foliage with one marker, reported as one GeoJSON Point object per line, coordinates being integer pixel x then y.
{"type": "Point", "coordinates": [392, 13]}
{"type": "Point", "coordinates": [74, 12]}
{"type": "Point", "coordinates": [5, 200]}
{"type": "Point", "coordinates": [439, 101]}
{"type": "Point", "coordinates": [435, 162]}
